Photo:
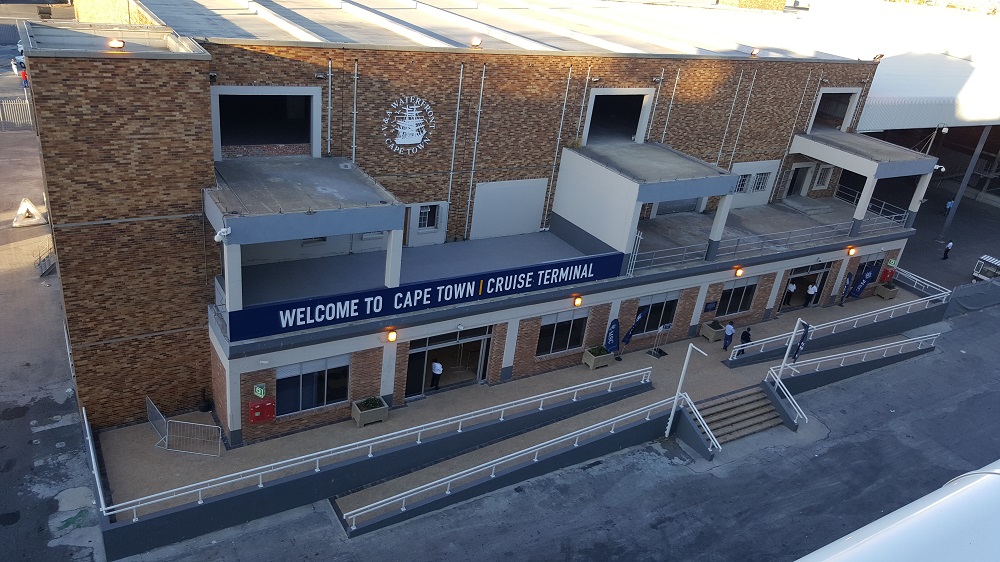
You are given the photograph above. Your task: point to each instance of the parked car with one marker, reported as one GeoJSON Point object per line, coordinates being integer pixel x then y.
{"type": "Point", "coordinates": [20, 48]}
{"type": "Point", "coordinates": [19, 59]}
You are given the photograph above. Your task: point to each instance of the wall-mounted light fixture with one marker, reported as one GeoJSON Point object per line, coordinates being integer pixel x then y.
{"type": "Point", "coordinates": [390, 336]}
{"type": "Point", "coordinates": [460, 327]}
{"type": "Point", "coordinates": [212, 77]}
{"type": "Point", "coordinates": [738, 271]}
{"type": "Point", "coordinates": [221, 234]}
{"type": "Point", "coordinates": [939, 168]}
{"type": "Point", "coordinates": [754, 52]}
{"type": "Point", "coordinates": [116, 44]}
{"type": "Point", "coordinates": [595, 79]}
{"type": "Point", "coordinates": [851, 250]}
{"type": "Point", "coordinates": [476, 42]}
{"type": "Point", "coordinates": [878, 57]}
{"type": "Point", "coordinates": [657, 80]}
{"type": "Point", "coordinates": [320, 75]}
{"type": "Point", "coordinates": [577, 301]}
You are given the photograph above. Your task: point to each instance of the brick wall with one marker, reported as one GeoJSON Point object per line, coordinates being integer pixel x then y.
{"type": "Point", "coordinates": [497, 345]}
{"type": "Point", "coordinates": [219, 391]}
{"type": "Point", "coordinates": [399, 383]}
{"type": "Point", "coordinates": [239, 151]}
{"type": "Point", "coordinates": [525, 362]}
{"type": "Point", "coordinates": [365, 381]}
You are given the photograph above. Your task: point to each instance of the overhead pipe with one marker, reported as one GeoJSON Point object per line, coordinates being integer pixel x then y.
{"type": "Point", "coordinates": [663, 137]}
{"type": "Point", "coordinates": [454, 138]}
{"type": "Point", "coordinates": [730, 120]}
{"type": "Point", "coordinates": [739, 130]}
{"type": "Point", "coordinates": [555, 158]}
{"type": "Point", "coordinates": [475, 149]}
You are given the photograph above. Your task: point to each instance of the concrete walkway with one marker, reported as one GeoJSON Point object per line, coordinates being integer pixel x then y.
{"type": "Point", "coordinates": [135, 467]}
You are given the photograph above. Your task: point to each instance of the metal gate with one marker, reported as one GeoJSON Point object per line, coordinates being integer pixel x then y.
{"type": "Point", "coordinates": [186, 437]}
{"type": "Point", "coordinates": [15, 115]}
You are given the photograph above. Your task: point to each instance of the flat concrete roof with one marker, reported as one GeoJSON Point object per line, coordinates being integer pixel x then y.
{"type": "Point", "coordinates": [649, 162]}
{"type": "Point", "coordinates": [868, 147]}
{"type": "Point", "coordinates": [66, 39]}
{"type": "Point", "coordinates": [291, 184]}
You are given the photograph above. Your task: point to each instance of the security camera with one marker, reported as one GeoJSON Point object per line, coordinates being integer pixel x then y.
{"type": "Point", "coordinates": [939, 168]}
{"type": "Point", "coordinates": [221, 235]}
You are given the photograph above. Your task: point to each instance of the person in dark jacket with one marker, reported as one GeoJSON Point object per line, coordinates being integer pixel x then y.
{"type": "Point", "coordinates": [744, 339]}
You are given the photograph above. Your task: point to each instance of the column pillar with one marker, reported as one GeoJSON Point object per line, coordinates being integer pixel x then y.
{"type": "Point", "coordinates": [918, 196]}
{"type": "Point", "coordinates": [387, 382]}
{"type": "Point", "coordinates": [718, 226]}
{"type": "Point", "coordinates": [233, 275]}
{"type": "Point", "coordinates": [393, 257]}
{"type": "Point", "coordinates": [862, 207]}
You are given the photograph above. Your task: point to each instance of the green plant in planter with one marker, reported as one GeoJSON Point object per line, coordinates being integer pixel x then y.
{"type": "Point", "coordinates": [715, 325]}
{"type": "Point", "coordinates": [597, 351]}
{"type": "Point", "coordinates": [890, 284]}
{"type": "Point", "coordinates": [369, 403]}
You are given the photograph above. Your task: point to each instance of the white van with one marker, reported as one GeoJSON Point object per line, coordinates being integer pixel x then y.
{"type": "Point", "coordinates": [987, 267]}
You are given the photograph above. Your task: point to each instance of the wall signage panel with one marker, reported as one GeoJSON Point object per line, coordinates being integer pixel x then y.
{"type": "Point", "coordinates": [273, 319]}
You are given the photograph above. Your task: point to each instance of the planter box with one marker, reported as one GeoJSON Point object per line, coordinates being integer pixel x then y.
{"type": "Point", "coordinates": [370, 416]}
{"type": "Point", "coordinates": [885, 292]}
{"type": "Point", "coordinates": [711, 333]}
{"type": "Point", "coordinates": [596, 361]}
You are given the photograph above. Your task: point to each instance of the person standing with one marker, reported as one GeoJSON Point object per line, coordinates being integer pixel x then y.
{"type": "Point", "coordinates": [744, 339]}
{"type": "Point", "coordinates": [436, 370]}
{"type": "Point", "coordinates": [789, 291]}
{"type": "Point", "coordinates": [947, 248]}
{"type": "Point", "coordinates": [812, 290]}
{"type": "Point", "coordinates": [13, 66]}
{"type": "Point", "coordinates": [24, 79]}
{"type": "Point", "coordinates": [728, 339]}
{"type": "Point", "coordinates": [948, 206]}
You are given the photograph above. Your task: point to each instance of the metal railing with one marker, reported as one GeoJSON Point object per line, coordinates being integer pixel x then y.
{"type": "Point", "coordinates": [368, 446]}
{"type": "Point", "coordinates": [861, 355]}
{"type": "Point", "coordinates": [774, 380]}
{"type": "Point", "coordinates": [194, 438]}
{"type": "Point", "coordinates": [879, 207]}
{"type": "Point", "coordinates": [828, 328]}
{"type": "Point", "coordinates": [919, 283]}
{"type": "Point", "coordinates": [88, 436]}
{"type": "Point", "coordinates": [762, 243]}
{"type": "Point", "coordinates": [572, 439]}
{"type": "Point", "coordinates": [669, 256]}
{"type": "Point", "coordinates": [15, 114]}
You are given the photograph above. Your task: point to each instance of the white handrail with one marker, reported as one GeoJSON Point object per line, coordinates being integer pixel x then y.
{"type": "Point", "coordinates": [534, 450]}
{"type": "Point", "coordinates": [781, 340]}
{"type": "Point", "coordinates": [258, 473]}
{"type": "Point", "coordinates": [772, 375]}
{"type": "Point", "coordinates": [704, 424]}
{"type": "Point", "coordinates": [919, 283]}
{"type": "Point", "coordinates": [89, 438]}
{"type": "Point", "coordinates": [797, 367]}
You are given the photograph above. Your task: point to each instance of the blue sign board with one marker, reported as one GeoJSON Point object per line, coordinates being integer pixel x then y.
{"type": "Point", "coordinates": [280, 318]}
{"type": "Point", "coordinates": [611, 338]}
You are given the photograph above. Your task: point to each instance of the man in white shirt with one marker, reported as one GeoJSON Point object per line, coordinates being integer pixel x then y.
{"type": "Point", "coordinates": [790, 291]}
{"type": "Point", "coordinates": [728, 339]}
{"type": "Point", "coordinates": [812, 290]}
{"type": "Point", "coordinates": [436, 370]}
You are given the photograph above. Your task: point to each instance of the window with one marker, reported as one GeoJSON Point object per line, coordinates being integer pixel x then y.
{"type": "Point", "coordinates": [428, 216]}
{"type": "Point", "coordinates": [561, 332]}
{"type": "Point", "coordinates": [737, 296]}
{"type": "Point", "coordinates": [761, 181]}
{"type": "Point", "coordinates": [873, 261]}
{"type": "Point", "coordinates": [661, 311]}
{"type": "Point", "coordinates": [823, 177]}
{"type": "Point", "coordinates": [312, 384]}
{"type": "Point", "coordinates": [741, 184]}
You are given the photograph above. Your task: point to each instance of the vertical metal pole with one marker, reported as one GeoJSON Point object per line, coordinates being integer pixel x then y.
{"type": "Point", "coordinates": [680, 383]}
{"type": "Point", "coordinates": [730, 119]}
{"type": "Point", "coordinates": [656, 100]}
{"type": "Point", "coordinates": [739, 129]}
{"type": "Point", "coordinates": [583, 103]}
{"type": "Point", "coordinates": [475, 149]}
{"type": "Point", "coordinates": [354, 115]}
{"type": "Point", "coordinates": [454, 137]}
{"type": "Point", "coordinates": [788, 348]}
{"type": "Point", "coordinates": [965, 181]}
{"type": "Point", "coordinates": [663, 137]}
{"type": "Point", "coordinates": [329, 103]}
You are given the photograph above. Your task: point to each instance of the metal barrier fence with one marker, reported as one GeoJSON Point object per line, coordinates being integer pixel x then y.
{"type": "Point", "coordinates": [15, 115]}
{"type": "Point", "coordinates": [781, 340]}
{"type": "Point", "coordinates": [194, 438]}
{"type": "Point", "coordinates": [758, 244]}
{"type": "Point", "coordinates": [489, 468]}
{"type": "Point", "coordinates": [367, 447]}
{"type": "Point", "coordinates": [184, 437]}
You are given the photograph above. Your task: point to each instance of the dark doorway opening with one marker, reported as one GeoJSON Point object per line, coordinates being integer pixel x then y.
{"type": "Point", "coordinates": [464, 356]}
{"type": "Point", "coordinates": [614, 118]}
{"type": "Point", "coordinates": [832, 111]}
{"type": "Point", "coordinates": [257, 120]}
{"type": "Point", "coordinates": [799, 176]}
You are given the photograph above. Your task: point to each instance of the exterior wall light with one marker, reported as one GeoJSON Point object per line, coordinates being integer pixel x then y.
{"type": "Point", "coordinates": [739, 271]}
{"type": "Point", "coordinates": [851, 250]}
{"type": "Point", "coordinates": [878, 57]}
{"type": "Point", "coordinates": [754, 52]}
{"type": "Point", "coordinates": [391, 336]}
{"type": "Point", "coordinates": [116, 44]}
{"type": "Point", "coordinates": [577, 301]}
{"type": "Point", "coordinates": [476, 42]}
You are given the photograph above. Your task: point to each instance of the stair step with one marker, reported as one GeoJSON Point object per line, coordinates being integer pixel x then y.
{"type": "Point", "coordinates": [728, 437]}
{"type": "Point", "coordinates": [741, 416]}
{"type": "Point", "coordinates": [737, 410]}
{"type": "Point", "coordinates": [748, 421]}
{"type": "Point", "coordinates": [731, 401]}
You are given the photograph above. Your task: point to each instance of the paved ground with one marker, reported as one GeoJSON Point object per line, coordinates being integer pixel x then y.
{"type": "Point", "coordinates": [47, 511]}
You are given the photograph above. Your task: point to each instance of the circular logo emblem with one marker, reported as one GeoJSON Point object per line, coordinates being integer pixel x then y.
{"type": "Point", "coordinates": [408, 125]}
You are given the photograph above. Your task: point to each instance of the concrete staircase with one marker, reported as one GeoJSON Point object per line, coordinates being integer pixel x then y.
{"type": "Point", "coordinates": [739, 414]}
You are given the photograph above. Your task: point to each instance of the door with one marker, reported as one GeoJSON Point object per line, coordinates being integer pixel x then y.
{"type": "Point", "coordinates": [415, 369]}
{"type": "Point", "coordinates": [800, 178]}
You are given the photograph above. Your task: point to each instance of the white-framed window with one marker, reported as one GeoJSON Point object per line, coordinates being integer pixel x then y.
{"type": "Point", "coordinates": [761, 181]}
{"type": "Point", "coordinates": [428, 216]}
{"type": "Point", "coordinates": [741, 184]}
{"type": "Point", "coordinates": [823, 176]}
{"type": "Point", "coordinates": [313, 384]}
{"type": "Point", "coordinates": [737, 296]}
{"type": "Point", "coordinates": [661, 308]}
{"type": "Point", "coordinates": [562, 331]}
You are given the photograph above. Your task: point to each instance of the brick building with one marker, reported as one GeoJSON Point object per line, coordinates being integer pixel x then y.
{"type": "Point", "coordinates": [316, 222]}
